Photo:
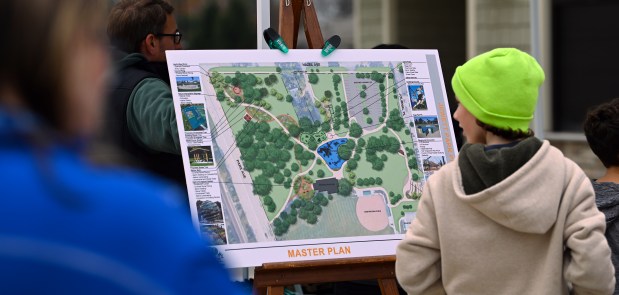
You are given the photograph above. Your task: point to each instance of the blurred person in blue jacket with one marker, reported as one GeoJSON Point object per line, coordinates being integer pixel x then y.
{"type": "Point", "coordinates": [66, 226]}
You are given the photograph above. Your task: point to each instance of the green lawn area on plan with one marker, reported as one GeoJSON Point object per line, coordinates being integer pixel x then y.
{"type": "Point", "coordinates": [234, 116]}
{"type": "Point", "coordinates": [370, 69]}
{"type": "Point", "coordinates": [324, 169]}
{"type": "Point", "coordinates": [393, 174]}
{"type": "Point", "coordinates": [400, 208]}
{"type": "Point", "coordinates": [278, 107]}
{"type": "Point", "coordinates": [394, 102]}
{"type": "Point", "coordinates": [343, 130]}
{"type": "Point", "coordinates": [365, 102]}
{"type": "Point", "coordinates": [338, 219]}
{"type": "Point", "coordinates": [325, 70]}
{"type": "Point", "coordinates": [408, 139]}
{"type": "Point", "coordinates": [280, 196]}
{"type": "Point", "coordinates": [340, 89]}
{"type": "Point", "coordinates": [305, 167]}
{"type": "Point", "coordinates": [408, 142]}
{"type": "Point", "coordinates": [279, 193]}
{"type": "Point", "coordinates": [325, 83]}
{"type": "Point", "coordinates": [248, 70]}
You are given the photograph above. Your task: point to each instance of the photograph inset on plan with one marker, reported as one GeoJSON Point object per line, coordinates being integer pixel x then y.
{"type": "Point", "coordinates": [200, 156]}
{"type": "Point", "coordinates": [418, 97]}
{"type": "Point", "coordinates": [215, 233]}
{"type": "Point", "coordinates": [427, 126]}
{"type": "Point", "coordinates": [194, 117]}
{"type": "Point", "coordinates": [188, 84]}
{"type": "Point", "coordinates": [209, 212]}
{"type": "Point", "coordinates": [433, 163]}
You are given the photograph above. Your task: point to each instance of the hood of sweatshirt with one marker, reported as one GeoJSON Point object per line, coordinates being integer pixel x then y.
{"type": "Point", "coordinates": [519, 187]}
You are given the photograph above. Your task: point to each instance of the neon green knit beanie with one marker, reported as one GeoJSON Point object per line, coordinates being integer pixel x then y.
{"type": "Point", "coordinates": [500, 87]}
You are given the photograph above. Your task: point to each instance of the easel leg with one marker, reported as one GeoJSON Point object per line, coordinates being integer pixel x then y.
{"type": "Point", "coordinates": [271, 278]}
{"type": "Point", "coordinates": [260, 291]}
{"type": "Point", "coordinates": [289, 21]}
{"type": "Point", "coordinates": [388, 286]}
{"type": "Point", "coordinates": [312, 27]}
{"type": "Point", "coordinates": [275, 290]}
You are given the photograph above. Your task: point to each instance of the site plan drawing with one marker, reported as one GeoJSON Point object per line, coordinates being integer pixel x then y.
{"type": "Point", "coordinates": [297, 156]}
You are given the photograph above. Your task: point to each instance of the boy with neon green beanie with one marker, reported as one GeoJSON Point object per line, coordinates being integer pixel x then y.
{"type": "Point", "coordinates": [511, 215]}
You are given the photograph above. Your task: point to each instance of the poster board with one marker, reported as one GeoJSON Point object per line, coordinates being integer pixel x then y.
{"type": "Point", "coordinates": [293, 157]}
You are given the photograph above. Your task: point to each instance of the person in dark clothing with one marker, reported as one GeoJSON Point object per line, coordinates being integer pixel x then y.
{"type": "Point", "coordinates": [602, 132]}
{"type": "Point", "coordinates": [140, 116]}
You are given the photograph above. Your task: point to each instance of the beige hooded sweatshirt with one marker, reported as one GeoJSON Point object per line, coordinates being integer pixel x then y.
{"type": "Point", "coordinates": [533, 230]}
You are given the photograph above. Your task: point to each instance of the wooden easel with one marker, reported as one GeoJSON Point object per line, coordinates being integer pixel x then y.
{"type": "Point", "coordinates": [271, 278]}
{"type": "Point", "coordinates": [290, 17]}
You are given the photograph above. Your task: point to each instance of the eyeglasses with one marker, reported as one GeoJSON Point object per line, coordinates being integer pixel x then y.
{"type": "Point", "coordinates": [177, 36]}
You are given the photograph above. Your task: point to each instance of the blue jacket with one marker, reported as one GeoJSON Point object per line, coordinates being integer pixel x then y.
{"type": "Point", "coordinates": [67, 227]}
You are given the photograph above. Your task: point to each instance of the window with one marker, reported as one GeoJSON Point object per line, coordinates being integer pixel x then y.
{"type": "Point", "coordinates": [585, 59]}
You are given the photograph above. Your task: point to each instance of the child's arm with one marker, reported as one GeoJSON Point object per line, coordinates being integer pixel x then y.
{"type": "Point", "coordinates": [418, 256]}
{"type": "Point", "coordinates": [588, 264]}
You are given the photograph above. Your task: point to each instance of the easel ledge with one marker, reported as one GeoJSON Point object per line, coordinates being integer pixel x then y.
{"type": "Point", "coordinates": [273, 277]}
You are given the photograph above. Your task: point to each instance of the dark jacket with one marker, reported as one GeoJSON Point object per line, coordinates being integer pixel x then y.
{"type": "Point", "coordinates": [607, 200]}
{"type": "Point", "coordinates": [140, 117]}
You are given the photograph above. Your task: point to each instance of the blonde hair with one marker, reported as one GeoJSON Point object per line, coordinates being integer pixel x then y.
{"type": "Point", "coordinates": [35, 49]}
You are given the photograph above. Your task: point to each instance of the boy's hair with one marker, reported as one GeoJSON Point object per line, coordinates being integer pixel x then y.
{"type": "Point", "coordinates": [507, 133]}
{"type": "Point", "coordinates": [602, 132]}
{"type": "Point", "coordinates": [130, 21]}
{"type": "Point", "coordinates": [500, 88]}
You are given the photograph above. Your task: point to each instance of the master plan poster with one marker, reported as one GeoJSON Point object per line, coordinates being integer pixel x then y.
{"type": "Point", "coordinates": [297, 156]}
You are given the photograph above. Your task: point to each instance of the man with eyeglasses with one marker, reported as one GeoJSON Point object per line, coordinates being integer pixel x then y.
{"type": "Point", "coordinates": [140, 115]}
